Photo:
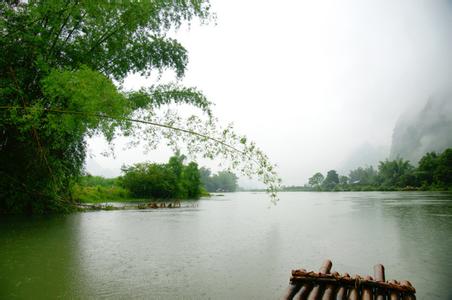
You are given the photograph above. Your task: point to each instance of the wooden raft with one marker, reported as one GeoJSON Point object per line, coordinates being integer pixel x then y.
{"type": "Point", "coordinates": [328, 286]}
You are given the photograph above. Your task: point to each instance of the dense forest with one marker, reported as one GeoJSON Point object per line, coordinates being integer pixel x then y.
{"type": "Point", "coordinates": [434, 172]}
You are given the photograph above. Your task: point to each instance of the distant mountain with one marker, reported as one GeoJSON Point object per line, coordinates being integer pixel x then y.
{"type": "Point", "coordinates": [429, 129]}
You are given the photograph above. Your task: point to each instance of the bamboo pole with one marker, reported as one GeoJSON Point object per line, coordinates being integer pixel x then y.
{"type": "Point", "coordinates": [303, 293]}
{"type": "Point", "coordinates": [393, 294]}
{"type": "Point", "coordinates": [328, 293]}
{"type": "Point", "coordinates": [367, 291]}
{"type": "Point", "coordinates": [342, 291]}
{"type": "Point", "coordinates": [292, 289]}
{"type": "Point", "coordinates": [354, 292]}
{"type": "Point", "coordinates": [407, 296]}
{"type": "Point", "coordinates": [379, 274]}
{"type": "Point", "coordinates": [329, 290]}
{"type": "Point", "coordinates": [324, 269]}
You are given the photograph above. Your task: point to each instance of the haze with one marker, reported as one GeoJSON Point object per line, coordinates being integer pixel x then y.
{"type": "Point", "coordinates": [318, 85]}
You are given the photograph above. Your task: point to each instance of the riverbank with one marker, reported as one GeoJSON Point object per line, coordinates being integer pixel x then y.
{"type": "Point", "coordinates": [355, 189]}
{"type": "Point", "coordinates": [107, 206]}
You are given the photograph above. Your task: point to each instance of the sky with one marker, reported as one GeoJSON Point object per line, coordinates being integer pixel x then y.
{"type": "Point", "coordinates": [314, 83]}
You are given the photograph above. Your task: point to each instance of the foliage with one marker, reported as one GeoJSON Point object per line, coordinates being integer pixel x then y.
{"type": "Point", "coordinates": [363, 176]}
{"type": "Point", "coordinates": [316, 179]}
{"type": "Point", "coordinates": [427, 166]}
{"type": "Point", "coordinates": [331, 180]}
{"type": "Point", "coordinates": [94, 189]}
{"type": "Point", "coordinates": [224, 181]}
{"type": "Point", "coordinates": [343, 180]}
{"type": "Point", "coordinates": [192, 181]}
{"type": "Point", "coordinates": [443, 173]}
{"type": "Point", "coordinates": [99, 193]}
{"type": "Point", "coordinates": [59, 60]}
{"type": "Point", "coordinates": [171, 180]}
{"type": "Point", "coordinates": [94, 181]}
{"type": "Point", "coordinates": [395, 173]}
{"type": "Point", "coordinates": [434, 172]}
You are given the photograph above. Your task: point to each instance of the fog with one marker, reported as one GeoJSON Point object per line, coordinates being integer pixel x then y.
{"type": "Point", "coordinates": [318, 85]}
{"type": "Point", "coordinates": [426, 130]}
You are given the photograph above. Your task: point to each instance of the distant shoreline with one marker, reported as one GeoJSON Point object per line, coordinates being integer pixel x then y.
{"type": "Point", "coordinates": [350, 190]}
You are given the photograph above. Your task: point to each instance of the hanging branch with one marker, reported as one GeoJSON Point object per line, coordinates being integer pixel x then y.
{"type": "Point", "coordinates": [233, 147]}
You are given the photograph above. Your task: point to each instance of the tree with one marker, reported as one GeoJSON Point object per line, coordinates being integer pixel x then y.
{"type": "Point", "coordinates": [150, 181]}
{"type": "Point", "coordinates": [443, 173]}
{"type": "Point", "coordinates": [192, 181]}
{"type": "Point", "coordinates": [316, 179]}
{"type": "Point", "coordinates": [56, 70]}
{"type": "Point", "coordinates": [60, 56]}
{"type": "Point", "coordinates": [395, 173]}
{"type": "Point", "coordinates": [331, 180]}
{"type": "Point", "coordinates": [343, 180]}
{"type": "Point", "coordinates": [206, 179]}
{"type": "Point", "coordinates": [427, 167]}
{"type": "Point", "coordinates": [435, 169]}
{"type": "Point", "coordinates": [224, 181]}
{"type": "Point", "coordinates": [176, 165]}
{"type": "Point", "coordinates": [363, 176]}
{"type": "Point", "coordinates": [171, 180]}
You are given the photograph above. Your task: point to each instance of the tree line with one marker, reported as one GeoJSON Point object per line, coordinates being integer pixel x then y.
{"type": "Point", "coordinates": [223, 181]}
{"type": "Point", "coordinates": [433, 172]}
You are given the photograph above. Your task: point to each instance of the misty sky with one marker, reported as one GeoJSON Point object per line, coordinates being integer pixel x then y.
{"type": "Point", "coordinates": [311, 82]}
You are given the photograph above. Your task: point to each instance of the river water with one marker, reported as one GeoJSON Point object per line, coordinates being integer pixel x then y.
{"type": "Point", "coordinates": [237, 246]}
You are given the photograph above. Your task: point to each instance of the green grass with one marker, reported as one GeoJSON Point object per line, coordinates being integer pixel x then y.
{"type": "Point", "coordinates": [101, 194]}
{"type": "Point", "coordinates": [96, 189]}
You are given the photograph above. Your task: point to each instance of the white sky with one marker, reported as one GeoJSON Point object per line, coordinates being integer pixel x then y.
{"type": "Point", "coordinates": [311, 81]}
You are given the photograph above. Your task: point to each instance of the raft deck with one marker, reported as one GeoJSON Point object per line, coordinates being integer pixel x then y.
{"type": "Point", "coordinates": [328, 286]}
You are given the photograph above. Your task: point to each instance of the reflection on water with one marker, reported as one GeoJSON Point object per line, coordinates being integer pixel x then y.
{"type": "Point", "coordinates": [232, 247]}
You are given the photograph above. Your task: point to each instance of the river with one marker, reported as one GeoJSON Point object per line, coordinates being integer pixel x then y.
{"type": "Point", "coordinates": [236, 246]}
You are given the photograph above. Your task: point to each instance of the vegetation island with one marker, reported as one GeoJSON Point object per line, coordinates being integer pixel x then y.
{"type": "Point", "coordinates": [145, 182]}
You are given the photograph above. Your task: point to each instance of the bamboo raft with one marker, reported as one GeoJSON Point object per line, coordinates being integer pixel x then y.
{"type": "Point", "coordinates": [328, 286]}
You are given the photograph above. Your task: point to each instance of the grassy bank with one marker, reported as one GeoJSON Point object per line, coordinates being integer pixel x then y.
{"type": "Point", "coordinates": [95, 189]}
{"type": "Point", "coordinates": [101, 194]}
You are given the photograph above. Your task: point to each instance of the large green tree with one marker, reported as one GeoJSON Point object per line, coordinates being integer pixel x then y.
{"type": "Point", "coordinates": [436, 169]}
{"type": "Point", "coordinates": [316, 179]}
{"type": "Point", "coordinates": [427, 167]}
{"type": "Point", "coordinates": [331, 180]}
{"type": "Point", "coordinates": [443, 173]}
{"type": "Point", "coordinates": [61, 67]}
{"type": "Point", "coordinates": [57, 65]}
{"type": "Point", "coordinates": [396, 173]}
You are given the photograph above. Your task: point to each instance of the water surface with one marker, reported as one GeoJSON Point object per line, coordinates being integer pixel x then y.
{"type": "Point", "coordinates": [234, 247]}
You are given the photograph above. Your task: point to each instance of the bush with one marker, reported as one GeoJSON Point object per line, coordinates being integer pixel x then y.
{"type": "Point", "coordinates": [163, 181]}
